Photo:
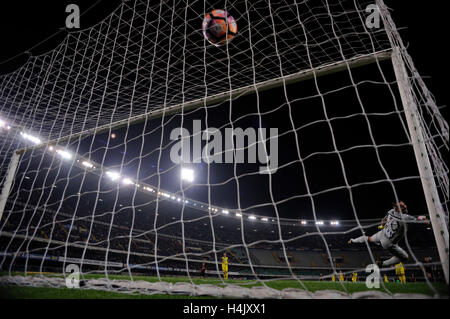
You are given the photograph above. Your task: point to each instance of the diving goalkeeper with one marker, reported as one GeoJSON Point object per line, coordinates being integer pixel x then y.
{"type": "Point", "coordinates": [393, 227]}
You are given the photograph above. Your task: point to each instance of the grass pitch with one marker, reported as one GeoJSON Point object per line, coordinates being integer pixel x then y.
{"type": "Point", "coordinates": [19, 292]}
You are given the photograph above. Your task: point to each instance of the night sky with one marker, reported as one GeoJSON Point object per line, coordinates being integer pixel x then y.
{"type": "Point", "coordinates": [24, 25]}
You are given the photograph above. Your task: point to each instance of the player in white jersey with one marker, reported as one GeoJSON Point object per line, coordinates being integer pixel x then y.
{"type": "Point", "coordinates": [393, 227]}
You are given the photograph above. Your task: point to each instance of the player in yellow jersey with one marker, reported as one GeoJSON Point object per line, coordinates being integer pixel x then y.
{"type": "Point", "coordinates": [333, 278]}
{"type": "Point", "coordinates": [400, 272]}
{"type": "Point", "coordinates": [386, 278]}
{"type": "Point", "coordinates": [341, 276]}
{"type": "Point", "coordinates": [225, 265]}
{"type": "Point", "coordinates": [354, 277]}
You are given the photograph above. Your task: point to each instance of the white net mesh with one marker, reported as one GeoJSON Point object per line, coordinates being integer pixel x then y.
{"type": "Point", "coordinates": [96, 185]}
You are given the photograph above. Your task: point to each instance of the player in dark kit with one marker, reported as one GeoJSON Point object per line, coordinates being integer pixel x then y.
{"type": "Point", "coordinates": [203, 270]}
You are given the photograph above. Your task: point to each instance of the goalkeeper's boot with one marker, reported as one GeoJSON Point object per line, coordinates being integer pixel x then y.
{"type": "Point", "coordinates": [350, 241]}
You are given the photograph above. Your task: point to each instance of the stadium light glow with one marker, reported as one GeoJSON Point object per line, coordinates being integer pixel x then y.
{"type": "Point", "coordinates": [304, 222]}
{"type": "Point", "coordinates": [264, 219]}
{"type": "Point", "coordinates": [4, 125]}
{"type": "Point", "coordinates": [127, 181]}
{"type": "Point", "coordinates": [334, 222]}
{"type": "Point", "coordinates": [238, 215]}
{"type": "Point", "coordinates": [252, 217]}
{"type": "Point", "coordinates": [30, 138]}
{"type": "Point", "coordinates": [224, 211]}
{"type": "Point", "coordinates": [87, 164]}
{"type": "Point", "coordinates": [187, 174]}
{"type": "Point", "coordinates": [64, 154]}
{"type": "Point", "coordinates": [319, 222]}
{"type": "Point", "coordinates": [113, 175]}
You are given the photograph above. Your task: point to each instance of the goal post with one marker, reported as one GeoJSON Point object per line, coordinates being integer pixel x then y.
{"type": "Point", "coordinates": [434, 205]}
{"type": "Point", "coordinates": [10, 175]}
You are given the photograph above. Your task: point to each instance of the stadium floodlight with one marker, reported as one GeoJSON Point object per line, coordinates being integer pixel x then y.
{"type": "Point", "coordinates": [87, 164]}
{"type": "Point", "coordinates": [30, 138]}
{"type": "Point", "coordinates": [4, 125]}
{"type": "Point", "coordinates": [224, 211]}
{"type": "Point", "coordinates": [113, 175]}
{"type": "Point", "coordinates": [187, 174]}
{"type": "Point", "coordinates": [319, 222]}
{"type": "Point", "coordinates": [304, 222]}
{"type": "Point", "coordinates": [127, 181]}
{"type": "Point", "coordinates": [238, 215]}
{"type": "Point", "coordinates": [334, 222]}
{"type": "Point", "coordinates": [64, 154]}
{"type": "Point", "coordinates": [264, 219]}
{"type": "Point", "coordinates": [252, 217]}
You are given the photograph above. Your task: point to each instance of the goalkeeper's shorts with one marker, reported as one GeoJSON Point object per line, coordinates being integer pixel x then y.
{"type": "Point", "coordinates": [224, 268]}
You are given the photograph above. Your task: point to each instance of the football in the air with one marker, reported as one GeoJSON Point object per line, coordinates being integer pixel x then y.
{"type": "Point", "coordinates": [219, 27]}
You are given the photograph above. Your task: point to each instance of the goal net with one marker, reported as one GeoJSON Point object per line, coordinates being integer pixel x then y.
{"type": "Point", "coordinates": [135, 154]}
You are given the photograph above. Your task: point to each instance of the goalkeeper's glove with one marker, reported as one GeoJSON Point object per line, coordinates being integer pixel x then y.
{"type": "Point", "coordinates": [381, 227]}
{"type": "Point", "coordinates": [424, 219]}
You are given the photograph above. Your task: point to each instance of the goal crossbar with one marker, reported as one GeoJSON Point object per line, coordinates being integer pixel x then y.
{"type": "Point", "coordinates": [303, 75]}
